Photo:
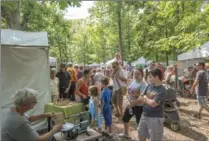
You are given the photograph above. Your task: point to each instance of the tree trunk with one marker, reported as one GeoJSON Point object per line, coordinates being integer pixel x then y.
{"type": "Point", "coordinates": [60, 53]}
{"type": "Point", "coordinates": [12, 16]}
{"type": "Point", "coordinates": [85, 51]}
{"type": "Point", "coordinates": [129, 39]}
{"type": "Point", "coordinates": [66, 50]}
{"type": "Point", "coordinates": [167, 58]}
{"type": "Point", "coordinates": [104, 48]}
{"type": "Point", "coordinates": [166, 53]}
{"type": "Point", "coordinates": [156, 58]}
{"type": "Point", "coordinates": [120, 30]}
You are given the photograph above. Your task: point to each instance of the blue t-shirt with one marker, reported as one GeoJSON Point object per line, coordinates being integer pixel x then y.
{"type": "Point", "coordinates": [106, 98]}
{"type": "Point", "coordinates": [158, 94]}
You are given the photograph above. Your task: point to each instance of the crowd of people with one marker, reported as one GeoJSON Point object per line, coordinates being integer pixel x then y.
{"type": "Point", "coordinates": [102, 90]}
{"type": "Point", "coordinates": [95, 91]}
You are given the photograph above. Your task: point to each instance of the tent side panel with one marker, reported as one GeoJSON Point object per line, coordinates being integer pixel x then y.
{"type": "Point", "coordinates": [25, 68]}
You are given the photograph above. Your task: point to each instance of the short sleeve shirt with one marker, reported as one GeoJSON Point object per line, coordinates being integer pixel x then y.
{"type": "Point", "coordinates": [17, 128]}
{"type": "Point", "coordinates": [136, 86]}
{"type": "Point", "coordinates": [106, 98]}
{"type": "Point", "coordinates": [64, 78]}
{"type": "Point", "coordinates": [98, 77]}
{"type": "Point", "coordinates": [158, 94]}
{"type": "Point", "coordinates": [202, 87]}
{"type": "Point", "coordinates": [73, 73]}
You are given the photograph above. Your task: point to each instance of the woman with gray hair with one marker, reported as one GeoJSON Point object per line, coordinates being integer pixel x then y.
{"type": "Point", "coordinates": [17, 126]}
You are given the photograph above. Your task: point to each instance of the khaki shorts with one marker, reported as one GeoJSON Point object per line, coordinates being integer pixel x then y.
{"type": "Point", "coordinates": [117, 98]}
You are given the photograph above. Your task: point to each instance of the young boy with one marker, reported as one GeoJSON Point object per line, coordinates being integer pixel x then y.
{"type": "Point", "coordinates": [106, 107]}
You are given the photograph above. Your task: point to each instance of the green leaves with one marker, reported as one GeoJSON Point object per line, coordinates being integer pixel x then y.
{"type": "Point", "coordinates": [150, 29]}
{"type": "Point", "coordinates": [64, 4]}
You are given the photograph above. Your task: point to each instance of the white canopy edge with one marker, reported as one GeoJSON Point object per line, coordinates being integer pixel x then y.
{"type": "Point", "coordinates": [201, 52]}
{"type": "Point", "coordinates": [52, 59]}
{"type": "Point", "coordinates": [140, 60]}
{"type": "Point", "coordinates": [10, 37]}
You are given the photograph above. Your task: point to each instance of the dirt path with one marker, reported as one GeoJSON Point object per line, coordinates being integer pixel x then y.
{"type": "Point", "coordinates": [192, 129]}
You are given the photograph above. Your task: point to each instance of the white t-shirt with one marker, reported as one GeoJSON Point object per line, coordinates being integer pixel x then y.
{"type": "Point", "coordinates": [54, 87]}
{"type": "Point", "coordinates": [117, 83]}
{"type": "Point", "coordinates": [98, 77]}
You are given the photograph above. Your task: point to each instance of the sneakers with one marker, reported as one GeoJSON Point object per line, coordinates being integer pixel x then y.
{"type": "Point", "coordinates": [124, 135]}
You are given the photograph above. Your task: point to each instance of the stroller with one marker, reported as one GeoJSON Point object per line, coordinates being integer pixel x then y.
{"type": "Point", "coordinates": [171, 108]}
{"type": "Point", "coordinates": [186, 86]}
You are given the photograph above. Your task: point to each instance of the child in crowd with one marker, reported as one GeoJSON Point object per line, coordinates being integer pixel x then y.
{"type": "Point", "coordinates": [106, 107]}
{"type": "Point", "coordinates": [95, 108]}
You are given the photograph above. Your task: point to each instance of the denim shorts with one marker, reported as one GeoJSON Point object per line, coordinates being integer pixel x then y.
{"type": "Point", "coordinates": [202, 100]}
{"type": "Point", "coordinates": [151, 128]}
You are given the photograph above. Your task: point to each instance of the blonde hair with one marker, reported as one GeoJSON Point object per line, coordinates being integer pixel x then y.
{"type": "Point", "coordinates": [94, 91]}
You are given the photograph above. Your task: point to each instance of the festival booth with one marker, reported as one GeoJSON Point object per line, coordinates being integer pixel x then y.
{"type": "Point", "coordinates": [140, 62]}
{"type": "Point", "coordinates": [191, 57]}
{"type": "Point", "coordinates": [53, 62]}
{"type": "Point", "coordinates": [109, 63]}
{"type": "Point", "coordinates": [94, 65]}
{"type": "Point", "coordinates": [188, 59]}
{"type": "Point", "coordinates": [24, 64]}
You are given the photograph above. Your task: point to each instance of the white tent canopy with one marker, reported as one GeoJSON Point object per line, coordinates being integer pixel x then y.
{"type": "Point", "coordinates": [110, 62]}
{"type": "Point", "coordinates": [140, 60]}
{"type": "Point", "coordinates": [19, 38]}
{"type": "Point", "coordinates": [25, 64]}
{"type": "Point", "coordinates": [94, 65]}
{"type": "Point", "coordinates": [53, 61]}
{"type": "Point", "coordinates": [201, 52]}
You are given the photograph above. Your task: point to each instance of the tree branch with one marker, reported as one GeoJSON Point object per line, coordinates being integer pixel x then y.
{"type": "Point", "coordinates": [24, 22]}
{"type": "Point", "coordinates": [25, 18]}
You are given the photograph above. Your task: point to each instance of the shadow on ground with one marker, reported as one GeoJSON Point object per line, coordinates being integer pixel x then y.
{"type": "Point", "coordinates": [190, 112]}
